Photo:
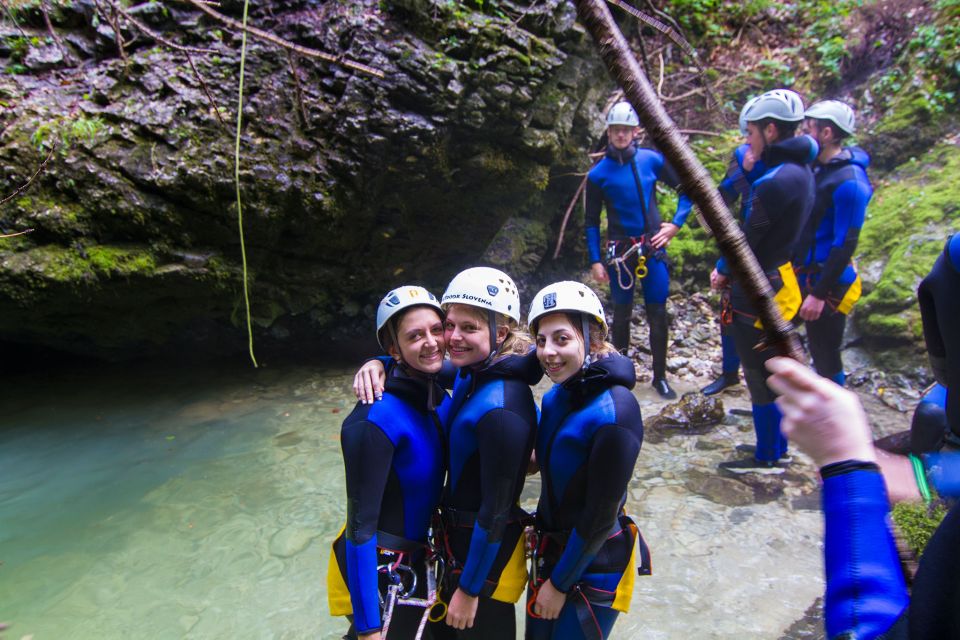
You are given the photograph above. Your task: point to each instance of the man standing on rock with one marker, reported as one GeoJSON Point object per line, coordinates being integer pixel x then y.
{"type": "Point", "coordinates": [779, 207]}
{"type": "Point", "coordinates": [624, 183]}
{"type": "Point", "coordinates": [826, 271]}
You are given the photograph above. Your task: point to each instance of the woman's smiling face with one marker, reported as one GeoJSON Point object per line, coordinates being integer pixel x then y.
{"type": "Point", "coordinates": [560, 348]}
{"type": "Point", "coordinates": [467, 336]}
{"type": "Point", "coordinates": [420, 339]}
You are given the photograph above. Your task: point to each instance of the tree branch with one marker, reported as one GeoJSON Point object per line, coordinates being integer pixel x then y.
{"type": "Point", "coordinates": [286, 44]}
{"type": "Point", "coordinates": [26, 184]}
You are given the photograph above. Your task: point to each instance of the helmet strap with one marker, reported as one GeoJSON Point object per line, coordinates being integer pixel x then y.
{"type": "Point", "coordinates": [585, 327]}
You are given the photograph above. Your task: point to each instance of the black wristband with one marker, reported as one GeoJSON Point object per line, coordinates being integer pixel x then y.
{"type": "Point", "coordinates": [847, 466]}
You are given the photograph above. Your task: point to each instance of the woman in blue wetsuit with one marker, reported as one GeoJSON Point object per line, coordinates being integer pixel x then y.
{"type": "Point", "coordinates": [490, 434]}
{"type": "Point", "coordinates": [588, 440]}
{"type": "Point", "coordinates": [393, 460]}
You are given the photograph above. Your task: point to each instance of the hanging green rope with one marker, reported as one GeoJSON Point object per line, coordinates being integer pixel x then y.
{"type": "Point", "coordinates": [243, 249]}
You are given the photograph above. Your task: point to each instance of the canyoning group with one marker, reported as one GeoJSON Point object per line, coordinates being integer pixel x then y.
{"type": "Point", "coordinates": [435, 543]}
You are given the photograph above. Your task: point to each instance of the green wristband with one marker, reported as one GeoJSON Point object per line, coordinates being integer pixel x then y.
{"type": "Point", "coordinates": [921, 476]}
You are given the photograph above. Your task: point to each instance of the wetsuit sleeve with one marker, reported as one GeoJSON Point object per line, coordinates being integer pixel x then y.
{"type": "Point", "coordinates": [943, 471]}
{"type": "Point", "coordinates": [367, 453]}
{"type": "Point", "coordinates": [866, 592]}
{"type": "Point", "coordinates": [610, 467]}
{"type": "Point", "coordinates": [668, 175]}
{"type": "Point", "coordinates": [592, 219]}
{"type": "Point", "coordinates": [503, 439]}
{"type": "Point", "coordinates": [849, 207]}
{"type": "Point", "coordinates": [728, 186]}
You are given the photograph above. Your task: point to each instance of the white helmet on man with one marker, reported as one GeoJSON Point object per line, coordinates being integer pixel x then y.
{"type": "Point", "coordinates": [399, 299]}
{"type": "Point", "coordinates": [622, 113]}
{"type": "Point", "coordinates": [566, 296]}
{"type": "Point", "coordinates": [486, 288]}
{"type": "Point", "coordinates": [779, 104]}
{"type": "Point", "coordinates": [743, 114]}
{"type": "Point", "coordinates": [835, 111]}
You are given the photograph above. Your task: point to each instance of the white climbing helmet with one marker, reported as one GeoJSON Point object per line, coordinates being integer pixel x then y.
{"type": "Point", "coordinates": [779, 104]}
{"type": "Point", "coordinates": [835, 111]}
{"type": "Point", "coordinates": [403, 298]}
{"type": "Point", "coordinates": [622, 113]}
{"type": "Point", "coordinates": [485, 288]}
{"type": "Point", "coordinates": [743, 114]}
{"type": "Point", "coordinates": [566, 296]}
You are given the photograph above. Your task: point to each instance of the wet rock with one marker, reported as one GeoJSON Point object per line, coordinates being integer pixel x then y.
{"type": "Point", "coordinates": [895, 443]}
{"type": "Point", "coordinates": [694, 414]}
{"type": "Point", "coordinates": [718, 489]}
{"type": "Point", "coordinates": [43, 58]}
{"type": "Point", "coordinates": [289, 439]}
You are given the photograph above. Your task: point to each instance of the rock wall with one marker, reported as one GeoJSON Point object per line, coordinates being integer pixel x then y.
{"type": "Point", "coordinates": [350, 183]}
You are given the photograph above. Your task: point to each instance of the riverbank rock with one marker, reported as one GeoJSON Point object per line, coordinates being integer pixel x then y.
{"type": "Point", "coordinates": [694, 414]}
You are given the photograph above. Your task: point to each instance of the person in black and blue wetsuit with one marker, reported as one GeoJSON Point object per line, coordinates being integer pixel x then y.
{"type": "Point", "coordinates": [825, 268]}
{"type": "Point", "coordinates": [939, 298]}
{"type": "Point", "coordinates": [780, 204]}
{"type": "Point", "coordinates": [742, 171]}
{"type": "Point", "coordinates": [624, 183]}
{"type": "Point", "coordinates": [928, 427]}
{"type": "Point", "coordinates": [490, 432]}
{"type": "Point", "coordinates": [866, 594]}
{"type": "Point", "coordinates": [394, 466]}
{"type": "Point", "coordinates": [588, 440]}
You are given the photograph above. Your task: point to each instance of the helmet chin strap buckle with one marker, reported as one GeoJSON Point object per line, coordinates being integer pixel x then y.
{"type": "Point", "coordinates": [585, 327]}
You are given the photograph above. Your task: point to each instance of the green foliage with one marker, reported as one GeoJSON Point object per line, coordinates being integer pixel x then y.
{"type": "Point", "coordinates": [917, 522]}
{"type": "Point", "coordinates": [67, 131]}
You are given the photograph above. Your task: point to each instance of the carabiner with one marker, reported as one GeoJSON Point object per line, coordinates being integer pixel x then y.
{"type": "Point", "coordinates": [641, 270]}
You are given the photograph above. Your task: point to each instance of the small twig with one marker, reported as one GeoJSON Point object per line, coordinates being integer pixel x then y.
{"type": "Point", "coordinates": [699, 132]}
{"type": "Point", "coordinates": [150, 33]}
{"type": "Point", "coordinates": [286, 44]}
{"type": "Point", "coordinates": [660, 81]}
{"type": "Point", "coordinates": [299, 89]}
{"type": "Point", "coordinates": [111, 17]}
{"type": "Point", "coordinates": [6, 10]}
{"type": "Point", "coordinates": [53, 34]}
{"type": "Point", "coordinates": [203, 85]}
{"type": "Point", "coordinates": [525, 12]}
{"type": "Point", "coordinates": [566, 216]}
{"type": "Point", "coordinates": [14, 235]}
{"type": "Point", "coordinates": [682, 96]}
{"type": "Point", "coordinates": [32, 178]}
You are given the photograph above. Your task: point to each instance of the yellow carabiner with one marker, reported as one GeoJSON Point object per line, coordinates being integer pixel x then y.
{"type": "Point", "coordinates": [443, 610]}
{"type": "Point", "coordinates": [641, 270]}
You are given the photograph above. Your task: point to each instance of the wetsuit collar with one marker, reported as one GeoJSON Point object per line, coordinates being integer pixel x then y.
{"type": "Point", "coordinates": [622, 156]}
{"type": "Point", "coordinates": [605, 372]}
{"type": "Point", "coordinates": [420, 389]}
{"type": "Point", "coordinates": [800, 150]}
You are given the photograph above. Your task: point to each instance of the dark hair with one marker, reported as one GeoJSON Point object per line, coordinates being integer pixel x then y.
{"type": "Point", "coordinates": [785, 130]}
{"type": "Point", "coordinates": [389, 330]}
{"type": "Point", "coordinates": [838, 133]}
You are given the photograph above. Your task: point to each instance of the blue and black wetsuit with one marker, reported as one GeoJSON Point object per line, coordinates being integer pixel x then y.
{"type": "Point", "coordinates": [780, 204]}
{"type": "Point", "coordinates": [939, 298]}
{"type": "Point", "coordinates": [866, 593]}
{"type": "Point", "coordinates": [393, 459]}
{"type": "Point", "coordinates": [826, 270]}
{"type": "Point", "coordinates": [624, 182]}
{"type": "Point", "coordinates": [491, 433]}
{"type": "Point", "coordinates": [587, 445]}
{"type": "Point", "coordinates": [735, 186]}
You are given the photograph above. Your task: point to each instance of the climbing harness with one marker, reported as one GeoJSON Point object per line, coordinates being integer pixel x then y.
{"type": "Point", "coordinates": [533, 555]}
{"type": "Point", "coordinates": [625, 278]}
{"type": "Point", "coordinates": [401, 593]}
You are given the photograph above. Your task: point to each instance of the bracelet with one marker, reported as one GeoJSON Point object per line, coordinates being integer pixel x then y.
{"type": "Point", "coordinates": [921, 476]}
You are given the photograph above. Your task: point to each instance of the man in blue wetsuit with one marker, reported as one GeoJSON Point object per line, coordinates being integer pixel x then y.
{"type": "Point", "coordinates": [624, 182]}
{"type": "Point", "coordinates": [742, 172]}
{"type": "Point", "coordinates": [825, 267]}
{"type": "Point", "coordinates": [780, 204]}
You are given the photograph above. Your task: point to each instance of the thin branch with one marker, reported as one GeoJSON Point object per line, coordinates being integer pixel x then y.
{"type": "Point", "coordinates": [699, 132]}
{"type": "Point", "coordinates": [566, 216]}
{"type": "Point", "coordinates": [111, 18]}
{"type": "Point", "coordinates": [6, 10]}
{"type": "Point", "coordinates": [20, 189]}
{"type": "Point", "coordinates": [203, 85]}
{"type": "Point", "coordinates": [682, 96]}
{"type": "Point", "coordinates": [660, 81]}
{"type": "Point", "coordinates": [150, 33]}
{"type": "Point", "coordinates": [53, 34]}
{"type": "Point", "coordinates": [14, 235]}
{"type": "Point", "coordinates": [299, 89]}
{"type": "Point", "coordinates": [286, 44]}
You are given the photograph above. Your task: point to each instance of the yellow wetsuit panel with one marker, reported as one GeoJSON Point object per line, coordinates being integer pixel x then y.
{"type": "Point", "coordinates": [621, 601]}
{"type": "Point", "coordinates": [338, 595]}
{"type": "Point", "coordinates": [851, 296]}
{"type": "Point", "coordinates": [513, 578]}
{"type": "Point", "coordinates": [788, 298]}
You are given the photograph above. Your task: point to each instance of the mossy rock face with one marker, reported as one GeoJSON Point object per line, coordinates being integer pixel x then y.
{"type": "Point", "coordinates": [350, 184]}
{"type": "Point", "coordinates": [912, 213]}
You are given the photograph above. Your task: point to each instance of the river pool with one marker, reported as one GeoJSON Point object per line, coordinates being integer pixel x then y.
{"type": "Point", "coordinates": [161, 503]}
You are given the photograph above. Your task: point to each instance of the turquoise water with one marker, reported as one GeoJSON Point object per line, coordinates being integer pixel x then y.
{"type": "Point", "coordinates": [200, 503]}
